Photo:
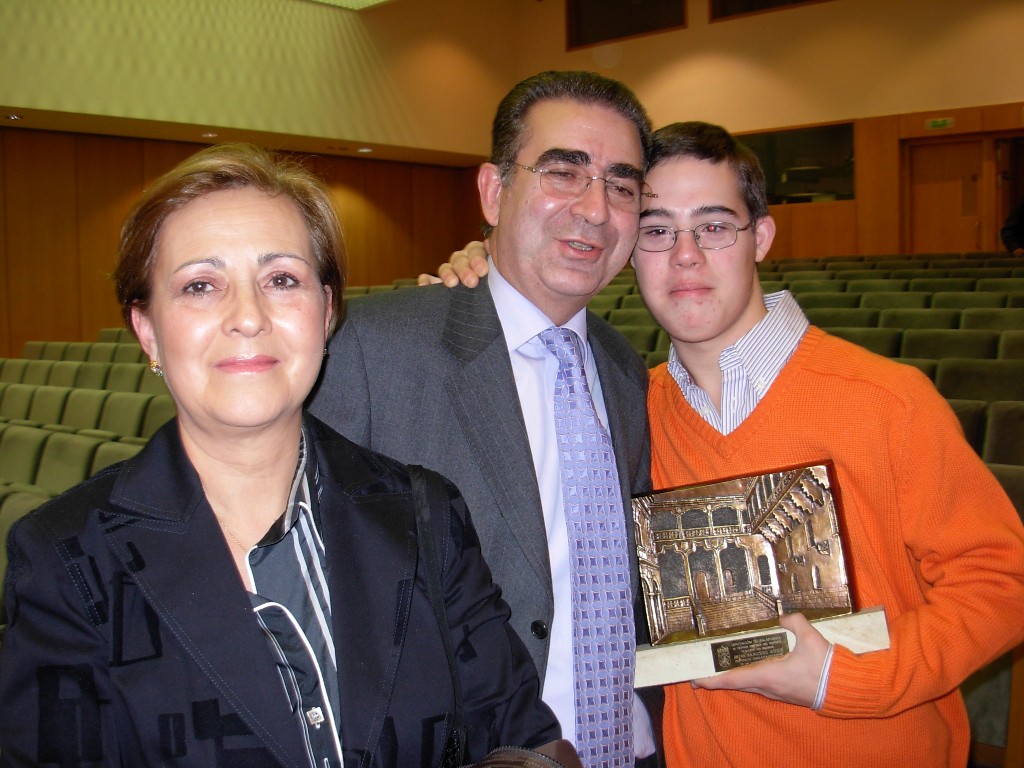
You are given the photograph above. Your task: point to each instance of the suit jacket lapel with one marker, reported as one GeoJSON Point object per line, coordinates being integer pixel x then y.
{"type": "Point", "coordinates": [165, 534]}
{"type": "Point", "coordinates": [485, 402]}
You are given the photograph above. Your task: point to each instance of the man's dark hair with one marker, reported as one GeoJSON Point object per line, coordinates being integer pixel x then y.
{"type": "Point", "coordinates": [704, 141]}
{"type": "Point", "coordinates": [509, 128]}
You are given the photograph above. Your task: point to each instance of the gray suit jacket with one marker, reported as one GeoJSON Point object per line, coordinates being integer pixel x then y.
{"type": "Point", "coordinates": [424, 375]}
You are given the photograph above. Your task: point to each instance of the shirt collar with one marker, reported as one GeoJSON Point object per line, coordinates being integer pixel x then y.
{"type": "Point", "coordinates": [782, 328]}
{"type": "Point", "coordinates": [300, 497]}
{"type": "Point", "coordinates": [520, 319]}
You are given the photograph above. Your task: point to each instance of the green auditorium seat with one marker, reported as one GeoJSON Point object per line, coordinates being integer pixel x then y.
{"type": "Point", "coordinates": [83, 409]}
{"type": "Point", "coordinates": [937, 284]}
{"type": "Point", "coordinates": [965, 299]}
{"type": "Point", "coordinates": [128, 352]}
{"type": "Point", "coordinates": [972, 419]}
{"type": "Point", "coordinates": [1004, 284]}
{"type": "Point", "coordinates": [152, 384]}
{"type": "Point", "coordinates": [799, 266]}
{"type": "Point", "coordinates": [937, 343]}
{"type": "Point", "coordinates": [13, 370]}
{"type": "Point", "coordinates": [1011, 345]}
{"type": "Point", "coordinates": [773, 286]}
{"type": "Point", "coordinates": [902, 262]}
{"type": "Point", "coordinates": [110, 452]}
{"type": "Point", "coordinates": [48, 404]}
{"type": "Point", "coordinates": [847, 264]}
{"type": "Point", "coordinates": [989, 380]}
{"type": "Point", "coordinates": [109, 335]}
{"type": "Point", "coordinates": [354, 290]}
{"type": "Point", "coordinates": [54, 350]}
{"type": "Point", "coordinates": [101, 352]}
{"type": "Point", "coordinates": [898, 317]}
{"type": "Point", "coordinates": [889, 299]}
{"type": "Point", "coordinates": [877, 284]}
{"type": "Point", "coordinates": [1004, 261]}
{"type": "Point", "coordinates": [981, 273]}
{"type": "Point", "coordinates": [1008, 319]}
{"type": "Point", "coordinates": [1015, 299]}
{"type": "Point", "coordinates": [21, 448]}
{"type": "Point", "coordinates": [1004, 433]}
{"type": "Point", "coordinates": [16, 402]}
{"type": "Point", "coordinates": [616, 289]}
{"type": "Point", "coordinates": [641, 337]}
{"type": "Point", "coordinates": [1011, 477]}
{"type": "Point", "coordinates": [947, 263]}
{"type": "Point", "coordinates": [664, 341]}
{"type": "Point", "coordinates": [634, 316]}
{"type": "Point", "coordinates": [602, 305]}
{"type": "Point", "coordinates": [37, 372]}
{"type": "Point", "coordinates": [64, 373]}
{"type": "Point", "coordinates": [798, 275]}
{"type": "Point", "coordinates": [66, 461]}
{"type": "Point", "coordinates": [656, 358]}
{"type": "Point", "coordinates": [160, 410]}
{"type": "Point", "coordinates": [632, 301]}
{"type": "Point", "coordinates": [925, 366]}
{"type": "Point", "coordinates": [77, 350]}
{"type": "Point", "coordinates": [1018, 272]}
{"type": "Point", "coordinates": [33, 350]}
{"type": "Point", "coordinates": [861, 274]}
{"type": "Point", "coordinates": [815, 286]}
{"type": "Point", "coordinates": [122, 416]}
{"type": "Point", "coordinates": [913, 273]}
{"type": "Point", "coordinates": [124, 377]}
{"type": "Point", "coordinates": [816, 299]}
{"type": "Point", "coordinates": [842, 317]}
{"type": "Point", "coordinates": [92, 375]}
{"type": "Point", "coordinates": [881, 341]}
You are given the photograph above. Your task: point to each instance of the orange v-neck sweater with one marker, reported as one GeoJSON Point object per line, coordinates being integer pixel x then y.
{"type": "Point", "coordinates": [928, 533]}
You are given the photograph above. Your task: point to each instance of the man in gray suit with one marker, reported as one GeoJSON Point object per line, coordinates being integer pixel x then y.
{"type": "Point", "coordinates": [457, 380]}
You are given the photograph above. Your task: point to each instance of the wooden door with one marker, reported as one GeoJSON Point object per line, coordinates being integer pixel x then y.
{"type": "Point", "coordinates": [945, 200]}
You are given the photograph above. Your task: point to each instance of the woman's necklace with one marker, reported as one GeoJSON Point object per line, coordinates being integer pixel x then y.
{"type": "Point", "coordinates": [224, 527]}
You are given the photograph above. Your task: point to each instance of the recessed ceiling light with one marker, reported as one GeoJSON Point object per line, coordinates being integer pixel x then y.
{"type": "Point", "coordinates": [209, 135]}
{"type": "Point", "coordinates": [352, 5]}
{"type": "Point", "coordinates": [364, 150]}
{"type": "Point", "coordinates": [14, 117]}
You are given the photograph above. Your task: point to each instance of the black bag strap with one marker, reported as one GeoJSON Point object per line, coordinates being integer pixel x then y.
{"type": "Point", "coordinates": [429, 496]}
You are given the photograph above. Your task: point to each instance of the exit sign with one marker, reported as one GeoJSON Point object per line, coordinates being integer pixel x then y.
{"type": "Point", "coordinates": [938, 123]}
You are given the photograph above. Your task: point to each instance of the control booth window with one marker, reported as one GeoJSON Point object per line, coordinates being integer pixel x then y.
{"type": "Point", "coordinates": [806, 165]}
{"type": "Point", "coordinates": [589, 22]}
{"type": "Point", "coordinates": [723, 9]}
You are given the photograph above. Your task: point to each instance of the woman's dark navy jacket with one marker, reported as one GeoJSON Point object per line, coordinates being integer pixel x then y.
{"type": "Point", "coordinates": [131, 641]}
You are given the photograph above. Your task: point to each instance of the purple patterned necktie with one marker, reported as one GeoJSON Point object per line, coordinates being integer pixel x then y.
{"type": "Point", "coordinates": [602, 610]}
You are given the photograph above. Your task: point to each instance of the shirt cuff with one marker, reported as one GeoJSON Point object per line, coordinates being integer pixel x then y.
{"type": "Point", "coordinates": [819, 695]}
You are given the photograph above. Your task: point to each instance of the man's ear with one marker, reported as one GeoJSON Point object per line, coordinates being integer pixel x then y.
{"type": "Point", "coordinates": [144, 331]}
{"type": "Point", "coordinates": [488, 183]}
{"type": "Point", "coordinates": [764, 235]}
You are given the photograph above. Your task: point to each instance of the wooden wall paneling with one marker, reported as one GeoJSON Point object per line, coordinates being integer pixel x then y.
{"type": "Point", "coordinates": [158, 157]}
{"type": "Point", "coordinates": [434, 203]}
{"type": "Point", "coordinates": [42, 238]}
{"type": "Point", "coordinates": [823, 229]}
{"type": "Point", "coordinates": [345, 178]}
{"type": "Point", "coordinates": [109, 182]}
{"type": "Point", "coordinates": [782, 246]}
{"type": "Point", "coordinates": [388, 218]}
{"type": "Point", "coordinates": [920, 124]}
{"type": "Point", "coordinates": [877, 185]}
{"type": "Point", "coordinates": [1003, 117]}
{"type": "Point", "coordinates": [5, 286]}
{"type": "Point", "coordinates": [469, 218]}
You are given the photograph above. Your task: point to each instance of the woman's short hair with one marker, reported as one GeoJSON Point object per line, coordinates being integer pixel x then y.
{"type": "Point", "coordinates": [214, 169]}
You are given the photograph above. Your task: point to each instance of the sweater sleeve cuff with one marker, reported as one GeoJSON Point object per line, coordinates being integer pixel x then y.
{"type": "Point", "coordinates": [853, 683]}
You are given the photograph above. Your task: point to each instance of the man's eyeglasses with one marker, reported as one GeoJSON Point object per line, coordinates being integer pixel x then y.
{"type": "Point", "coordinates": [569, 182]}
{"type": "Point", "coordinates": [711, 236]}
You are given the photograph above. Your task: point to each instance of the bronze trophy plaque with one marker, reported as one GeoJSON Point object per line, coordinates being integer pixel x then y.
{"type": "Point", "coordinates": [719, 562]}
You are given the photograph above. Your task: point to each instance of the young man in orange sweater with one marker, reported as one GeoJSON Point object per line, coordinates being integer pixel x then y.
{"type": "Point", "coordinates": [750, 387]}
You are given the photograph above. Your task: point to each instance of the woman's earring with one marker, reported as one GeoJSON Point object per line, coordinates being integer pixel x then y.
{"type": "Point", "coordinates": [154, 366]}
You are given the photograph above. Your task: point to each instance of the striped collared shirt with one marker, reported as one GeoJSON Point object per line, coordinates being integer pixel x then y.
{"type": "Point", "coordinates": [749, 366]}
{"type": "Point", "coordinates": [293, 606]}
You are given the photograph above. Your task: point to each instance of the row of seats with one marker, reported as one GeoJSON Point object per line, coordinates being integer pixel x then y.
{"type": "Point", "coordinates": [85, 351]}
{"type": "Point", "coordinates": [120, 377]}
{"type": "Point", "coordinates": [109, 415]}
{"type": "Point", "coordinates": [994, 429]}
{"type": "Point", "coordinates": [897, 261]}
{"type": "Point", "coordinates": [978, 318]}
{"type": "Point", "coordinates": [806, 281]}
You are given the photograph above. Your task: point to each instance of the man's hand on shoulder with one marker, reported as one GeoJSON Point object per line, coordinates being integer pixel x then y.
{"type": "Point", "coordinates": [466, 266]}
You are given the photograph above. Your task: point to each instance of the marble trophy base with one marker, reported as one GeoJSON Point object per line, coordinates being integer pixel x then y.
{"type": "Point", "coordinates": [679, 662]}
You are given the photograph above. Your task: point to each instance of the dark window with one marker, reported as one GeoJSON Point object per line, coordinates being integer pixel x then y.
{"type": "Point", "coordinates": [806, 165]}
{"type": "Point", "coordinates": [723, 9]}
{"type": "Point", "coordinates": [595, 21]}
